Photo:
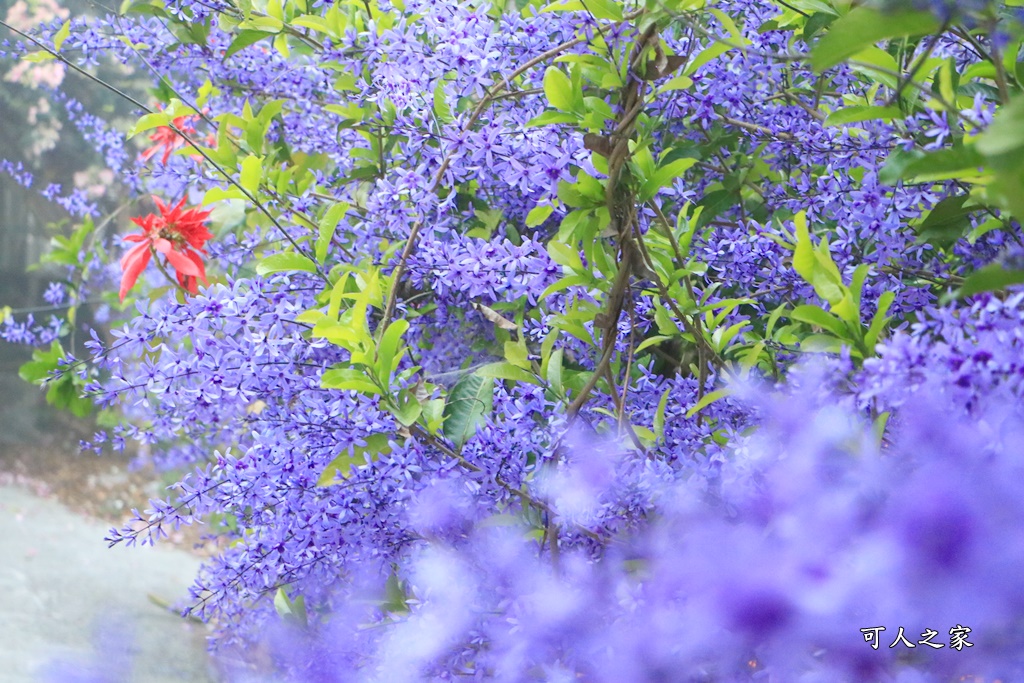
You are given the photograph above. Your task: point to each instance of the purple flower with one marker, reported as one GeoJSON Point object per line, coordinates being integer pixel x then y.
{"type": "Point", "coordinates": [54, 294]}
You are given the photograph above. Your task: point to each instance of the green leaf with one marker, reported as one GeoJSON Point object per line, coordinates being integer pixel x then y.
{"type": "Point", "coordinates": [1006, 134]}
{"type": "Point", "coordinates": [63, 390]}
{"type": "Point", "coordinates": [550, 117]}
{"type": "Point", "coordinates": [558, 89]}
{"type": "Point", "coordinates": [554, 371]}
{"type": "Point", "coordinates": [716, 49]}
{"type": "Point", "coordinates": [815, 265]}
{"type": "Point", "coordinates": [43, 364]}
{"type": "Point", "coordinates": [395, 599]}
{"type": "Point", "coordinates": [61, 35]}
{"type": "Point", "coordinates": [469, 402]}
{"type": "Point", "coordinates": [712, 205]}
{"type": "Point", "coordinates": [388, 354]}
{"type": "Point", "coordinates": [855, 114]}
{"type": "Point", "coordinates": [803, 255]}
{"type": "Point", "coordinates": [1008, 185]}
{"type": "Point", "coordinates": [686, 227]}
{"type": "Point", "coordinates": [814, 315]}
{"type": "Point", "coordinates": [652, 341]}
{"type": "Point", "coordinates": [727, 22]}
{"type": "Point", "coordinates": [252, 174]}
{"type": "Point", "coordinates": [312, 21]}
{"type": "Point", "coordinates": [878, 426]}
{"type": "Point", "coordinates": [879, 321]}
{"type": "Point", "coordinates": [565, 255]}
{"type": "Point", "coordinates": [246, 38]}
{"type": "Point", "coordinates": [600, 9]}
{"type": "Point", "coordinates": [827, 281]}
{"type": "Point", "coordinates": [825, 343]}
{"type": "Point", "coordinates": [663, 177]}
{"type": "Point", "coordinates": [517, 355]}
{"type": "Point", "coordinates": [341, 466]}
{"type": "Point", "coordinates": [565, 283]}
{"type": "Point", "coordinates": [328, 225]}
{"type": "Point", "coordinates": [863, 27]}
{"type": "Point", "coordinates": [604, 9]}
{"type": "Point", "coordinates": [38, 57]}
{"type": "Point", "coordinates": [680, 82]}
{"type": "Point", "coordinates": [848, 307]}
{"type": "Point", "coordinates": [275, 9]}
{"type": "Point", "coordinates": [538, 215]}
{"type": "Point", "coordinates": [659, 415]}
{"type": "Point", "coordinates": [707, 400]}
{"type": "Point", "coordinates": [442, 110]}
{"type": "Point", "coordinates": [288, 609]}
{"type": "Point", "coordinates": [505, 370]}
{"type": "Point", "coordinates": [944, 164]}
{"type": "Point", "coordinates": [991, 278]}
{"type": "Point", "coordinates": [64, 394]}
{"type": "Point", "coordinates": [408, 409]}
{"type": "Point", "coordinates": [217, 194]}
{"type": "Point", "coordinates": [895, 165]}
{"type": "Point", "coordinates": [283, 262]}
{"type": "Point", "coordinates": [815, 23]}
{"type": "Point", "coordinates": [878, 65]}
{"type": "Point", "coordinates": [348, 379]}
{"type": "Point", "coordinates": [433, 414]}
{"type": "Point", "coordinates": [947, 222]}
{"type": "Point", "coordinates": [149, 122]}
{"type": "Point", "coordinates": [267, 24]}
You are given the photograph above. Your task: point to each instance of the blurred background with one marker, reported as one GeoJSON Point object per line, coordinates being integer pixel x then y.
{"type": "Point", "coordinates": [44, 155]}
{"type": "Point", "coordinates": [70, 608]}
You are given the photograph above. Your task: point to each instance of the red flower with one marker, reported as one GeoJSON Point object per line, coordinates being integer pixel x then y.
{"type": "Point", "coordinates": [178, 235]}
{"type": "Point", "coordinates": [166, 137]}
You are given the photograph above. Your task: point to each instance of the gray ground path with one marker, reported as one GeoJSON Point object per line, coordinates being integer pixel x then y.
{"type": "Point", "coordinates": [65, 596]}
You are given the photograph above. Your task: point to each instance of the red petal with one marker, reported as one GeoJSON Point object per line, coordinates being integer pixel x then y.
{"type": "Point", "coordinates": [133, 263]}
{"type": "Point", "coordinates": [181, 263]}
{"type": "Point", "coordinates": [199, 263]}
{"type": "Point", "coordinates": [133, 253]}
{"type": "Point", "coordinates": [188, 284]}
{"type": "Point", "coordinates": [135, 238]}
{"type": "Point", "coordinates": [173, 216]}
{"type": "Point", "coordinates": [144, 222]}
{"type": "Point", "coordinates": [162, 245]}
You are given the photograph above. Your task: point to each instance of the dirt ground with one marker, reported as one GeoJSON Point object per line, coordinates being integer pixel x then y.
{"type": "Point", "coordinates": [39, 452]}
{"type": "Point", "coordinates": [101, 487]}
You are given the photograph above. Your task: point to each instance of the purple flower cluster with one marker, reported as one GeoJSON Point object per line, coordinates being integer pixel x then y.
{"type": "Point", "coordinates": [17, 171]}
{"type": "Point", "coordinates": [28, 332]}
{"type": "Point", "coordinates": [107, 142]}
{"type": "Point", "coordinates": [971, 357]}
{"type": "Point", "coordinates": [55, 294]}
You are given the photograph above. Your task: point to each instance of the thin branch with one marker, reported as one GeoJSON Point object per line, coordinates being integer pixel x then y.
{"type": "Point", "coordinates": [757, 128]}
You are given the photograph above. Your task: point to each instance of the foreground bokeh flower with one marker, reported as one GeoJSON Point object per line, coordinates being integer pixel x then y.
{"type": "Point", "coordinates": [177, 234]}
